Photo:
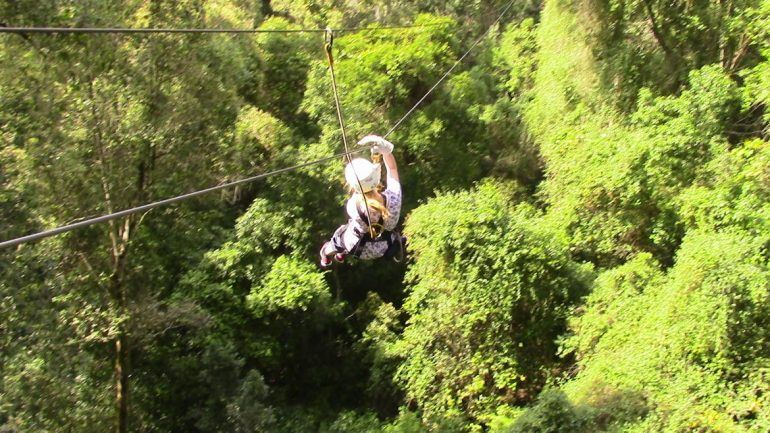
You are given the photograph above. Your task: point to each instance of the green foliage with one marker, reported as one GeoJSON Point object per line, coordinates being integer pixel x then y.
{"type": "Point", "coordinates": [657, 350]}
{"type": "Point", "coordinates": [405, 422]}
{"type": "Point", "coordinates": [516, 56]}
{"type": "Point", "coordinates": [199, 384]}
{"type": "Point", "coordinates": [754, 21]}
{"type": "Point", "coordinates": [650, 43]}
{"type": "Point", "coordinates": [258, 141]}
{"type": "Point", "coordinates": [637, 133]}
{"type": "Point", "coordinates": [485, 304]}
{"type": "Point", "coordinates": [686, 132]}
{"type": "Point", "coordinates": [613, 183]}
{"type": "Point", "coordinates": [283, 70]}
{"type": "Point", "coordinates": [274, 306]}
{"type": "Point", "coordinates": [310, 13]}
{"type": "Point", "coordinates": [47, 378]}
{"type": "Point", "coordinates": [734, 195]}
{"type": "Point", "coordinates": [291, 284]}
{"type": "Point", "coordinates": [686, 342]}
{"type": "Point", "coordinates": [381, 75]}
{"type": "Point", "coordinates": [377, 342]}
{"type": "Point", "coordinates": [553, 413]}
{"type": "Point", "coordinates": [513, 64]}
{"type": "Point", "coordinates": [757, 90]}
{"type": "Point", "coordinates": [247, 412]}
{"type": "Point", "coordinates": [612, 299]}
{"type": "Point", "coordinates": [475, 15]}
{"type": "Point", "coordinates": [349, 422]}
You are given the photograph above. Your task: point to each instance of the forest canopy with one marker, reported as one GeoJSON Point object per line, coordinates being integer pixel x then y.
{"type": "Point", "coordinates": [586, 202]}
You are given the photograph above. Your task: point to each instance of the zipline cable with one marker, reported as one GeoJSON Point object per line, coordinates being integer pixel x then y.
{"type": "Point", "coordinates": [146, 207]}
{"type": "Point", "coordinates": [115, 215]}
{"type": "Point", "coordinates": [449, 71]}
{"type": "Point", "coordinates": [102, 30]}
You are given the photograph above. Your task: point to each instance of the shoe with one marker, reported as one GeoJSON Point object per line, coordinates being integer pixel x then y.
{"type": "Point", "coordinates": [324, 260]}
{"type": "Point", "coordinates": [339, 258]}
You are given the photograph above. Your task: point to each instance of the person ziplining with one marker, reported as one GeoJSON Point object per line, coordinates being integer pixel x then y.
{"type": "Point", "coordinates": [373, 210]}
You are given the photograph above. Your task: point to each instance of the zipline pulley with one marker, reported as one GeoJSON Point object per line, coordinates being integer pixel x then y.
{"type": "Point", "coordinates": [329, 44]}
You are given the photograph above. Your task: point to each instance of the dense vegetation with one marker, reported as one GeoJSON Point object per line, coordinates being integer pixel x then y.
{"type": "Point", "coordinates": [587, 203]}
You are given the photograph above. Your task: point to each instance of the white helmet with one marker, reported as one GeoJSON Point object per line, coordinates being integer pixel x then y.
{"type": "Point", "coordinates": [368, 175]}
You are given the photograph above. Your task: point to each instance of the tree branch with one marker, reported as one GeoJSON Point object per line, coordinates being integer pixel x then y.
{"type": "Point", "coordinates": [743, 48]}
{"type": "Point", "coordinates": [656, 30]}
{"type": "Point", "coordinates": [101, 163]}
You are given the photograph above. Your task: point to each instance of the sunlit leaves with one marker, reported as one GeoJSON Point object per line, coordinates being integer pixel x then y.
{"type": "Point", "coordinates": [291, 284]}
{"type": "Point", "coordinates": [490, 288]}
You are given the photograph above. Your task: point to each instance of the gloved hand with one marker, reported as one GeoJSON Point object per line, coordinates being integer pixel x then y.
{"type": "Point", "coordinates": [378, 144]}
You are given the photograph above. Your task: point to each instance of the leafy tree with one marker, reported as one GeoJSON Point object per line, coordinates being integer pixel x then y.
{"type": "Point", "coordinates": [686, 342]}
{"type": "Point", "coordinates": [48, 379]}
{"type": "Point", "coordinates": [283, 70]}
{"type": "Point", "coordinates": [485, 306]}
{"type": "Point", "coordinates": [276, 308]}
{"type": "Point", "coordinates": [248, 413]}
{"type": "Point", "coordinates": [106, 135]}
{"type": "Point", "coordinates": [552, 414]}
{"type": "Point", "coordinates": [734, 196]}
{"type": "Point", "coordinates": [612, 182]}
{"type": "Point", "coordinates": [475, 15]}
{"type": "Point", "coordinates": [513, 64]}
{"type": "Point", "coordinates": [649, 43]}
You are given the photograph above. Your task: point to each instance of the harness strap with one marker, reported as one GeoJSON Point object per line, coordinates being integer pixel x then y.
{"type": "Point", "coordinates": [385, 236]}
{"type": "Point", "coordinates": [391, 237]}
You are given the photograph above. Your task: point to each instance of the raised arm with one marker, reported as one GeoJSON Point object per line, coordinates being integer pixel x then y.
{"type": "Point", "coordinates": [390, 165]}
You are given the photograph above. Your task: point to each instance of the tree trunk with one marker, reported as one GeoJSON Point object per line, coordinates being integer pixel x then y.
{"type": "Point", "coordinates": [121, 382]}
{"type": "Point", "coordinates": [122, 349]}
